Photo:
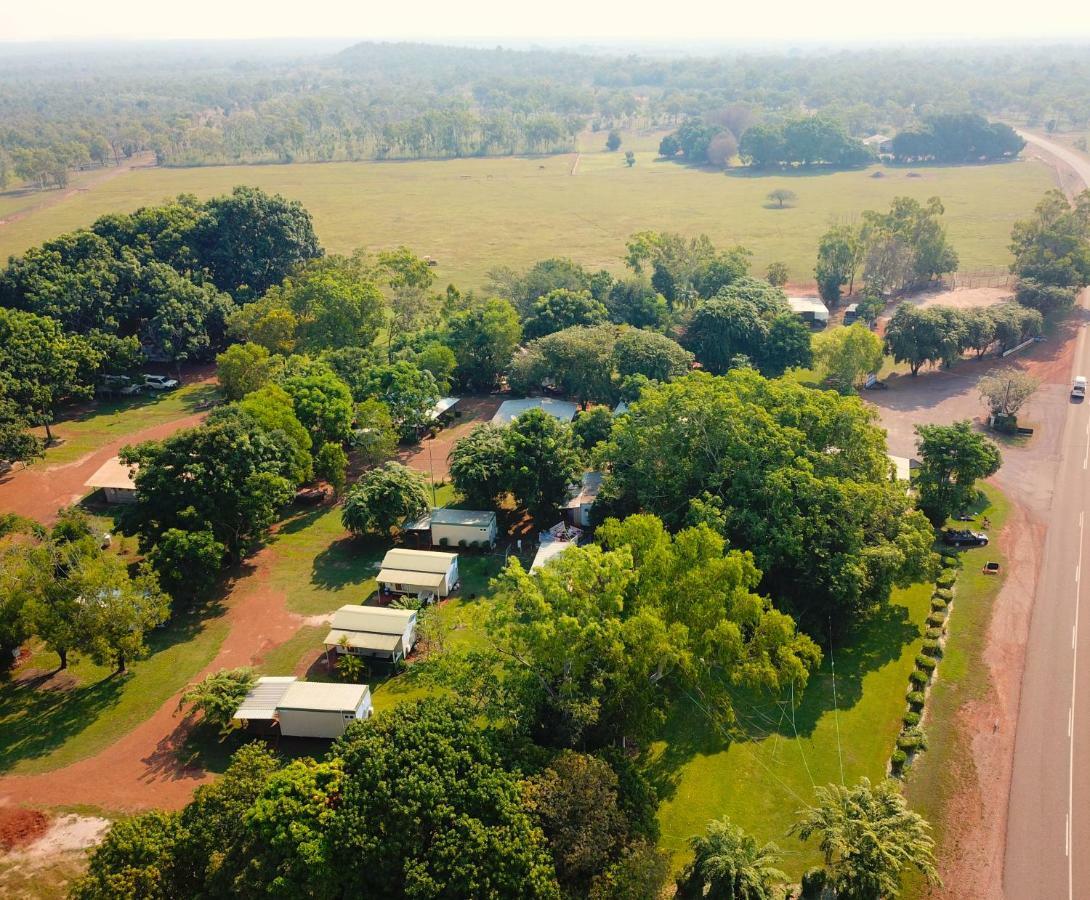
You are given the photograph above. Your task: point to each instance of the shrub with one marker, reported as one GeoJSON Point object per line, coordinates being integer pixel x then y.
{"type": "Point", "coordinates": [936, 619]}
{"type": "Point", "coordinates": [915, 699]}
{"type": "Point", "coordinates": [925, 662]}
{"type": "Point", "coordinates": [897, 761]}
{"type": "Point", "coordinates": [931, 647]}
{"type": "Point", "coordinates": [444, 541]}
{"type": "Point", "coordinates": [946, 578]}
{"type": "Point", "coordinates": [938, 604]}
{"type": "Point", "coordinates": [951, 559]}
{"type": "Point", "coordinates": [919, 679]}
{"type": "Point", "coordinates": [911, 718]}
{"type": "Point", "coordinates": [933, 634]}
{"type": "Point", "coordinates": [813, 883]}
{"type": "Point", "coordinates": [908, 743]}
{"type": "Point", "coordinates": [462, 543]}
{"type": "Point", "coordinates": [944, 594]}
{"type": "Point", "coordinates": [350, 667]}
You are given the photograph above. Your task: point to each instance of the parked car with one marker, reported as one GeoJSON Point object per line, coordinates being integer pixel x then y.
{"type": "Point", "coordinates": [159, 383]}
{"type": "Point", "coordinates": [965, 538]}
{"type": "Point", "coordinates": [1078, 388]}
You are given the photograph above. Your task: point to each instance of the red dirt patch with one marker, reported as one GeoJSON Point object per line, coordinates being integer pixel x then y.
{"type": "Point", "coordinates": [20, 827]}
{"type": "Point", "coordinates": [430, 455]}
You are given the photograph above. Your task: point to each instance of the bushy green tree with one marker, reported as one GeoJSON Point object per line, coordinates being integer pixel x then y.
{"type": "Point", "coordinates": [322, 403]}
{"type": "Point", "coordinates": [1053, 247]}
{"type": "Point", "coordinates": [219, 695]}
{"type": "Point", "coordinates": [869, 838]}
{"type": "Point", "coordinates": [243, 368]}
{"type": "Point", "coordinates": [592, 426]}
{"type": "Point", "coordinates": [374, 436]}
{"type": "Point", "coordinates": [408, 392]}
{"type": "Point", "coordinates": [480, 466]}
{"type": "Point", "coordinates": [847, 355]}
{"type": "Point", "coordinates": [483, 337]}
{"type": "Point", "coordinates": [952, 459]}
{"type": "Point", "coordinates": [648, 353]}
{"type": "Point", "coordinates": [543, 463]}
{"type": "Point", "coordinates": [383, 499]}
{"type": "Point", "coordinates": [187, 562]}
{"type": "Point", "coordinates": [562, 309]}
{"type": "Point", "coordinates": [828, 529]}
{"type": "Point", "coordinates": [729, 864]}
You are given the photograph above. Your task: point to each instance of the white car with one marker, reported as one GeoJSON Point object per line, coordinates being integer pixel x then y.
{"type": "Point", "coordinates": [1078, 388]}
{"type": "Point", "coordinates": [159, 383]}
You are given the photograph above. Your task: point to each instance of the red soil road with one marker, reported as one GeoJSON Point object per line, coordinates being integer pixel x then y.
{"type": "Point", "coordinates": [141, 770]}
{"type": "Point", "coordinates": [431, 455]}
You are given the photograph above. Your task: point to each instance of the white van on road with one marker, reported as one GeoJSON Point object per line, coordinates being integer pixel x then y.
{"type": "Point", "coordinates": [1078, 388]}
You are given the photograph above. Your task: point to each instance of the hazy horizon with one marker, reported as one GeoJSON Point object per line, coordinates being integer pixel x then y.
{"type": "Point", "coordinates": [564, 22]}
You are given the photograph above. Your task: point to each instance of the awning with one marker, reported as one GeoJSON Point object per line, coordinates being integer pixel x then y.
{"type": "Point", "coordinates": [432, 580]}
{"type": "Point", "coordinates": [363, 640]}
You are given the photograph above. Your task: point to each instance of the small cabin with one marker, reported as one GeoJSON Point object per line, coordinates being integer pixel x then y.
{"type": "Point", "coordinates": [376, 632]}
{"type": "Point", "coordinates": [313, 709]}
{"type": "Point", "coordinates": [421, 572]}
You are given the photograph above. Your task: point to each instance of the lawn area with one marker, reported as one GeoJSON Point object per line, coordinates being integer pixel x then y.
{"type": "Point", "coordinates": [769, 771]}
{"type": "Point", "coordinates": [48, 726]}
{"type": "Point", "coordinates": [108, 420]}
{"type": "Point", "coordinates": [937, 775]}
{"type": "Point", "coordinates": [475, 214]}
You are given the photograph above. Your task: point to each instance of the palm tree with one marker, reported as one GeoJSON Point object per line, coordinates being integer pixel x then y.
{"type": "Point", "coordinates": [730, 865]}
{"type": "Point", "coordinates": [869, 837]}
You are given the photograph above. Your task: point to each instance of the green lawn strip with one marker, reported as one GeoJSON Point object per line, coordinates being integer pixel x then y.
{"type": "Point", "coordinates": [109, 420]}
{"type": "Point", "coordinates": [44, 729]}
{"type": "Point", "coordinates": [936, 777]}
{"type": "Point", "coordinates": [765, 775]}
{"type": "Point", "coordinates": [307, 644]}
{"type": "Point", "coordinates": [461, 211]}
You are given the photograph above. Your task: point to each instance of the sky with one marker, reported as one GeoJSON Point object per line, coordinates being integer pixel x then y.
{"type": "Point", "coordinates": [565, 21]}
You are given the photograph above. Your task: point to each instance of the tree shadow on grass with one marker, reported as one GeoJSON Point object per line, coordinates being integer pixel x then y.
{"type": "Point", "coordinates": [347, 562]}
{"type": "Point", "coordinates": [690, 730]}
{"type": "Point", "coordinates": [36, 719]}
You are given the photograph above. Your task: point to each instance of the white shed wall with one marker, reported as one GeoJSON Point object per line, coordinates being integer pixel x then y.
{"type": "Point", "coordinates": [456, 533]}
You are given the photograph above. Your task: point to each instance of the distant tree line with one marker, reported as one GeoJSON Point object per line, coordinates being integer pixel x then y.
{"type": "Point", "coordinates": [957, 138]}
{"type": "Point", "coordinates": [806, 141]}
{"type": "Point", "coordinates": [383, 101]}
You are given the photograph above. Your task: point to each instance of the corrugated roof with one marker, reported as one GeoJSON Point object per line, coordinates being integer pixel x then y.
{"type": "Point", "coordinates": [363, 640]}
{"type": "Point", "coordinates": [262, 700]}
{"type": "Point", "coordinates": [375, 619]}
{"type": "Point", "coordinates": [807, 304]}
{"type": "Point", "coordinates": [443, 405]}
{"type": "Point", "coordinates": [324, 696]}
{"type": "Point", "coordinates": [112, 474]}
{"type": "Point", "coordinates": [413, 579]}
{"type": "Point", "coordinates": [481, 518]}
{"type": "Point", "coordinates": [511, 409]}
{"type": "Point", "coordinates": [588, 490]}
{"type": "Point", "coordinates": [418, 560]}
{"type": "Point", "coordinates": [547, 551]}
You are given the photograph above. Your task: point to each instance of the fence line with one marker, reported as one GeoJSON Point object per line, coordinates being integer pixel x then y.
{"type": "Point", "coordinates": [995, 277]}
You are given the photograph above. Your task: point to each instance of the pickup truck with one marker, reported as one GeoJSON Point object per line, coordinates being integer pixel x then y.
{"type": "Point", "coordinates": [159, 383]}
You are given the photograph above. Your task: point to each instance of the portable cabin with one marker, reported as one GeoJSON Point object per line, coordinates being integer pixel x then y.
{"type": "Point", "coordinates": [463, 527]}
{"type": "Point", "coordinates": [303, 708]}
{"type": "Point", "coordinates": [420, 572]}
{"type": "Point", "coordinates": [377, 632]}
{"type": "Point", "coordinates": [810, 310]}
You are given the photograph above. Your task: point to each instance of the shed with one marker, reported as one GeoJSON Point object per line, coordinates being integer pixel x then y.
{"type": "Point", "coordinates": [462, 527]}
{"type": "Point", "coordinates": [509, 410]}
{"type": "Point", "coordinates": [579, 506]}
{"type": "Point", "coordinates": [809, 309]}
{"type": "Point", "coordinates": [444, 409]}
{"type": "Point", "coordinates": [547, 550]}
{"type": "Point", "coordinates": [418, 572]}
{"type": "Point", "coordinates": [375, 631]}
{"type": "Point", "coordinates": [116, 480]}
{"type": "Point", "coordinates": [305, 708]}
{"type": "Point", "coordinates": [902, 467]}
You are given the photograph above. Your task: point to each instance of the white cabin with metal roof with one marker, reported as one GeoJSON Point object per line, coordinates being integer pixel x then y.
{"type": "Point", "coordinates": [420, 572]}
{"type": "Point", "coordinates": [296, 708]}
{"type": "Point", "coordinates": [373, 631]}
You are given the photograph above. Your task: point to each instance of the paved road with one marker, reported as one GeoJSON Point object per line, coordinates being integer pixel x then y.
{"type": "Point", "coordinates": [1048, 825]}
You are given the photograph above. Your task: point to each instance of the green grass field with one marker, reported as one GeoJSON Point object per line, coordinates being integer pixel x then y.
{"type": "Point", "coordinates": [48, 727]}
{"type": "Point", "coordinates": [475, 214]}
{"type": "Point", "coordinates": [83, 432]}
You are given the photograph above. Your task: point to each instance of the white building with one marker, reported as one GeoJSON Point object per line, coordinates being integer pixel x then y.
{"type": "Point", "coordinates": [578, 507]}
{"type": "Point", "coordinates": [421, 572]}
{"type": "Point", "coordinates": [509, 410]}
{"type": "Point", "coordinates": [462, 527]}
{"type": "Point", "coordinates": [304, 708]}
{"type": "Point", "coordinates": [116, 481]}
{"type": "Point", "coordinates": [373, 631]}
{"type": "Point", "coordinates": [809, 309]}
